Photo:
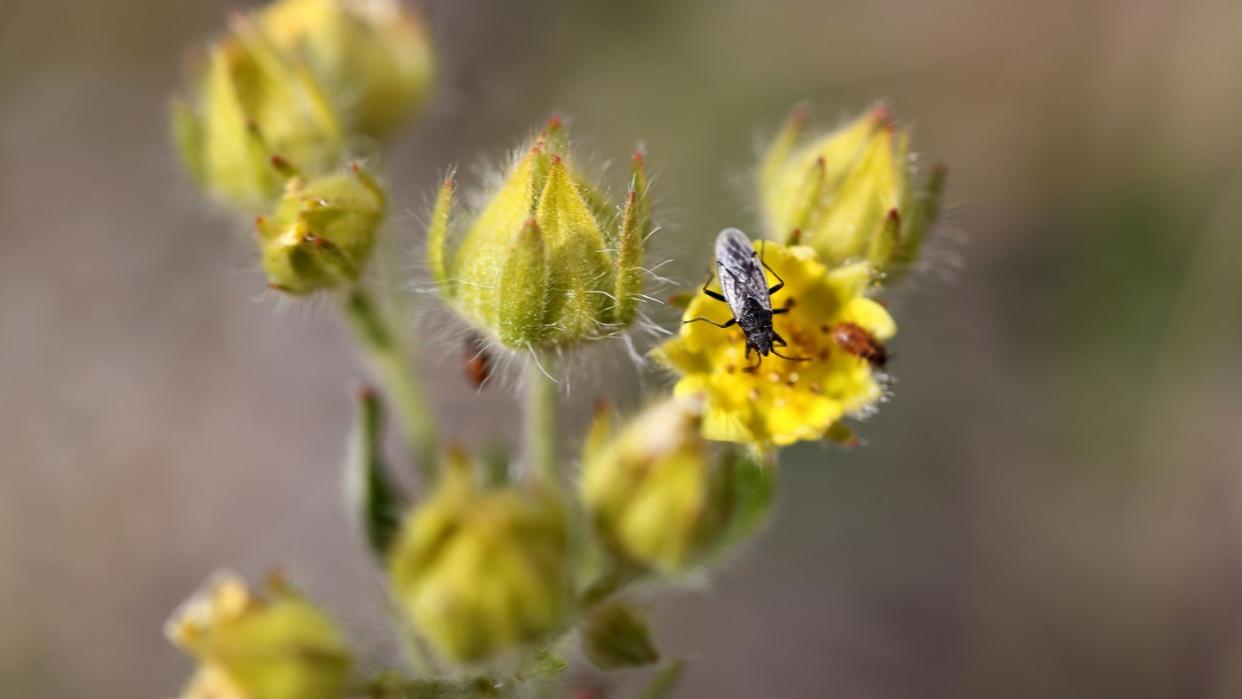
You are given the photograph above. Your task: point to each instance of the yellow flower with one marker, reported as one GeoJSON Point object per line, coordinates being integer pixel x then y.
{"type": "Point", "coordinates": [785, 401]}
{"type": "Point", "coordinates": [277, 646]}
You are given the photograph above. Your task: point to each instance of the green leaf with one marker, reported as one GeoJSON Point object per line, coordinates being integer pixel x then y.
{"type": "Point", "coordinates": [751, 493]}
{"type": "Point", "coordinates": [616, 637]}
{"type": "Point", "coordinates": [437, 236]}
{"type": "Point", "coordinates": [665, 681]}
{"type": "Point", "coordinates": [373, 498]}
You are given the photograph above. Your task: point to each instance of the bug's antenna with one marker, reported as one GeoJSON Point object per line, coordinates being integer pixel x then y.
{"type": "Point", "coordinates": [792, 359]}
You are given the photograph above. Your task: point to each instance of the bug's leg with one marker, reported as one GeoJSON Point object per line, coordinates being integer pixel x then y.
{"type": "Point", "coordinates": [778, 311]}
{"type": "Point", "coordinates": [751, 368]}
{"type": "Point", "coordinates": [780, 283]}
{"type": "Point", "coordinates": [778, 340]}
{"type": "Point", "coordinates": [727, 324]}
{"type": "Point", "coordinates": [709, 292]}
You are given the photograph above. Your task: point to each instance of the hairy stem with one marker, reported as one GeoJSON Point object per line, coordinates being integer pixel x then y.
{"type": "Point", "coordinates": [541, 409]}
{"type": "Point", "coordinates": [390, 366]}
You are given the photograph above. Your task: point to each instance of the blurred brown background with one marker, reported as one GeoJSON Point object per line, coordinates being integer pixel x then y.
{"type": "Point", "coordinates": [1050, 506]}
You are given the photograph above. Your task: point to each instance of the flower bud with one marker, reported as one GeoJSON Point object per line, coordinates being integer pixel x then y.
{"type": "Point", "coordinates": [251, 647]}
{"type": "Point", "coordinates": [480, 571]}
{"type": "Point", "coordinates": [653, 494]}
{"type": "Point", "coordinates": [373, 57]}
{"type": "Point", "coordinates": [546, 261]}
{"type": "Point", "coordinates": [251, 105]}
{"type": "Point", "coordinates": [849, 194]}
{"type": "Point", "coordinates": [322, 231]}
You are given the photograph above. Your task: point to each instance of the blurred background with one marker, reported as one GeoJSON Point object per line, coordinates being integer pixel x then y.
{"type": "Point", "coordinates": [1051, 504]}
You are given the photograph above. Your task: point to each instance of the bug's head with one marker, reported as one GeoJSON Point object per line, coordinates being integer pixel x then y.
{"type": "Point", "coordinates": [761, 342]}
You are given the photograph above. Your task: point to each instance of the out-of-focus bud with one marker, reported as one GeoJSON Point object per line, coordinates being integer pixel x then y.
{"type": "Point", "coordinates": [547, 260]}
{"type": "Point", "coordinates": [323, 231]}
{"type": "Point", "coordinates": [250, 104]}
{"type": "Point", "coordinates": [850, 194]}
{"type": "Point", "coordinates": [652, 491]}
{"type": "Point", "coordinates": [373, 57]}
{"type": "Point", "coordinates": [277, 646]}
{"type": "Point", "coordinates": [482, 571]}
{"type": "Point", "coordinates": [615, 636]}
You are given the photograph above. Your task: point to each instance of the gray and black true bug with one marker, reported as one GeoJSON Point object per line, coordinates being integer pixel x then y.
{"type": "Point", "coordinates": [746, 291]}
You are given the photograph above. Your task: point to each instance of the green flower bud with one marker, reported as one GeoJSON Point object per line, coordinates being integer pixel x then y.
{"type": "Point", "coordinates": [279, 646]}
{"type": "Point", "coordinates": [849, 194]}
{"type": "Point", "coordinates": [652, 491]}
{"type": "Point", "coordinates": [546, 261]}
{"type": "Point", "coordinates": [251, 105]}
{"type": "Point", "coordinates": [373, 57]}
{"type": "Point", "coordinates": [482, 571]}
{"type": "Point", "coordinates": [322, 232]}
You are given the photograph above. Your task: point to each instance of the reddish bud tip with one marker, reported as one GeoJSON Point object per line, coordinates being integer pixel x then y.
{"type": "Point", "coordinates": [602, 407]}
{"type": "Point", "coordinates": [366, 393]}
{"type": "Point", "coordinates": [894, 216]}
{"type": "Point", "coordinates": [638, 157]}
{"type": "Point", "coordinates": [801, 112]}
{"type": "Point", "coordinates": [795, 236]}
{"type": "Point", "coordinates": [882, 116]}
{"type": "Point", "coordinates": [556, 160]}
{"type": "Point", "coordinates": [555, 123]}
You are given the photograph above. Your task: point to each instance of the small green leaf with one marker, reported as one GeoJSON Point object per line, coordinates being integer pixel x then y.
{"type": "Point", "coordinates": [547, 666]}
{"type": "Point", "coordinates": [923, 207]}
{"type": "Point", "coordinates": [437, 236]}
{"type": "Point", "coordinates": [665, 681]}
{"type": "Point", "coordinates": [374, 499]}
{"type": "Point", "coordinates": [616, 637]}
{"type": "Point", "coordinates": [523, 289]}
{"type": "Point", "coordinates": [635, 222]}
{"type": "Point", "coordinates": [842, 435]}
{"type": "Point", "coordinates": [751, 492]}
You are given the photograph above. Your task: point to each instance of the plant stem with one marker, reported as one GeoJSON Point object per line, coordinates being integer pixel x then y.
{"type": "Point", "coordinates": [542, 405]}
{"type": "Point", "coordinates": [389, 363]}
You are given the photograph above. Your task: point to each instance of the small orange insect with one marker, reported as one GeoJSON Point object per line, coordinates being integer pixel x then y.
{"type": "Point", "coordinates": [476, 360]}
{"type": "Point", "coordinates": [857, 341]}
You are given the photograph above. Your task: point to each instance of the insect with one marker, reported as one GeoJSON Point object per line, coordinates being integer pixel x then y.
{"type": "Point", "coordinates": [745, 288]}
{"type": "Point", "coordinates": [857, 341]}
{"type": "Point", "coordinates": [476, 361]}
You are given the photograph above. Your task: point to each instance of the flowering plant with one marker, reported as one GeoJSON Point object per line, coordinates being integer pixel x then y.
{"type": "Point", "coordinates": [501, 569]}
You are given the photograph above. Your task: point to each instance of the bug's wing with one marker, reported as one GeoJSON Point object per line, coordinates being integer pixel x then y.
{"type": "Point", "coordinates": [741, 274]}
